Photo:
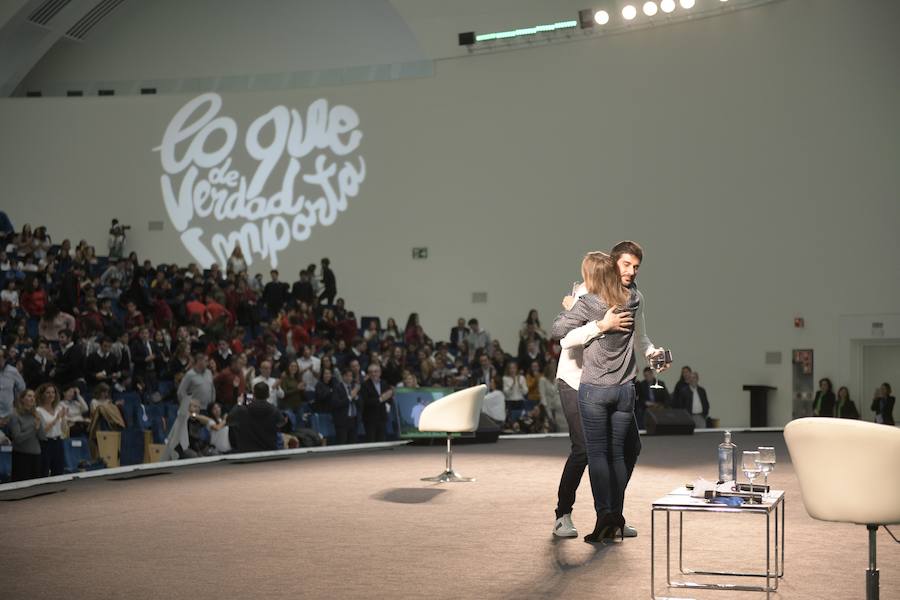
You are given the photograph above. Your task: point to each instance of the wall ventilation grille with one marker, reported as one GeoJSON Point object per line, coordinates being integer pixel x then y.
{"type": "Point", "coordinates": [90, 20]}
{"type": "Point", "coordinates": [44, 13]}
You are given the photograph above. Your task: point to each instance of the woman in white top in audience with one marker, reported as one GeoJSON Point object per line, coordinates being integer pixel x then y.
{"type": "Point", "coordinates": [514, 386]}
{"type": "Point", "coordinates": [53, 420]}
{"type": "Point", "coordinates": [77, 411]}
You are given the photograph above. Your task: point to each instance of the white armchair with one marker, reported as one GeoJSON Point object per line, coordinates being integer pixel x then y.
{"type": "Point", "coordinates": [864, 460]}
{"type": "Point", "coordinates": [455, 413]}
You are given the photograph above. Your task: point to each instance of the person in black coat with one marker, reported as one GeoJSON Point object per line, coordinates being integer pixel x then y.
{"type": "Point", "coordinates": [257, 423]}
{"type": "Point", "coordinates": [328, 283]}
{"type": "Point", "coordinates": [823, 405]}
{"type": "Point", "coordinates": [376, 396]}
{"type": "Point", "coordinates": [345, 408]}
{"type": "Point", "coordinates": [275, 294]}
{"type": "Point", "coordinates": [37, 368]}
{"type": "Point", "coordinates": [845, 407]}
{"type": "Point", "coordinates": [102, 366]}
{"type": "Point", "coordinates": [883, 404]}
{"type": "Point", "coordinates": [145, 354]}
{"type": "Point", "coordinates": [302, 291]}
{"type": "Point", "coordinates": [458, 333]}
{"type": "Point", "coordinates": [70, 362]}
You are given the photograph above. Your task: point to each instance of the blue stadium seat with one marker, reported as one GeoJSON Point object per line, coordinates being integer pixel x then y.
{"type": "Point", "coordinates": [75, 450]}
{"type": "Point", "coordinates": [323, 424]}
{"type": "Point", "coordinates": [5, 463]}
{"type": "Point", "coordinates": [156, 414]}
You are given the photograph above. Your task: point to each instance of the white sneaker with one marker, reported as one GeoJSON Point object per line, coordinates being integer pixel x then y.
{"type": "Point", "coordinates": [564, 527]}
{"type": "Point", "coordinates": [629, 531]}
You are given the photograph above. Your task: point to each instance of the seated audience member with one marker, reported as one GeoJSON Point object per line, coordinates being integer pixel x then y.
{"type": "Point", "coordinates": [257, 422]}
{"type": "Point", "coordinates": [883, 404]}
{"type": "Point", "coordinates": [77, 411]}
{"type": "Point", "coordinates": [53, 322]}
{"type": "Point", "coordinates": [649, 397]}
{"type": "Point", "coordinates": [26, 434]}
{"type": "Point", "coordinates": [536, 420]}
{"type": "Point", "coordinates": [533, 381]}
{"type": "Point", "coordinates": [845, 408]}
{"type": "Point", "coordinates": [692, 398]}
{"type": "Point", "coordinates": [823, 405]}
{"type": "Point", "coordinates": [345, 408]}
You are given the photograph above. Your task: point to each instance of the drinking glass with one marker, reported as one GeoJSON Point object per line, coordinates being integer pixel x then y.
{"type": "Point", "coordinates": [750, 466]}
{"type": "Point", "coordinates": [657, 362]}
{"type": "Point", "coordinates": [766, 461]}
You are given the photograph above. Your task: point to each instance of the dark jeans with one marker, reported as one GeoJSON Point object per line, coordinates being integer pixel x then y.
{"type": "Point", "coordinates": [607, 416]}
{"type": "Point", "coordinates": [53, 461]}
{"type": "Point", "coordinates": [577, 460]}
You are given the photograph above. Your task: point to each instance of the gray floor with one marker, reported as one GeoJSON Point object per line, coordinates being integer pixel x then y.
{"type": "Point", "coordinates": [362, 525]}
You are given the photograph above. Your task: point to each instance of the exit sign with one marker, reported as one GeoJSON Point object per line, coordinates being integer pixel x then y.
{"type": "Point", "coordinates": [419, 253]}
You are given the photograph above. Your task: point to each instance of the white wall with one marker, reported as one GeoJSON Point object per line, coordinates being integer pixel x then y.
{"type": "Point", "coordinates": [753, 155]}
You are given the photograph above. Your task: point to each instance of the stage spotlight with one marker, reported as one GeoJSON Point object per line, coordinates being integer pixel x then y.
{"type": "Point", "coordinates": [601, 17]}
{"type": "Point", "coordinates": [649, 8]}
{"type": "Point", "coordinates": [686, 4]}
{"type": "Point", "coordinates": [667, 6]}
{"type": "Point", "coordinates": [629, 12]}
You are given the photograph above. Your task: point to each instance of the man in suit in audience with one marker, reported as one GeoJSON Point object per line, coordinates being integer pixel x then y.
{"type": "Point", "coordinates": [102, 366]}
{"type": "Point", "coordinates": [458, 333]}
{"type": "Point", "coordinates": [376, 396]}
{"type": "Point", "coordinates": [70, 362]}
{"type": "Point", "coordinates": [649, 397]}
{"type": "Point", "coordinates": [692, 398]}
{"type": "Point", "coordinates": [275, 294]}
{"type": "Point", "coordinates": [37, 367]}
{"type": "Point", "coordinates": [345, 408]}
{"type": "Point", "coordinates": [145, 356]}
{"type": "Point", "coordinates": [329, 283]}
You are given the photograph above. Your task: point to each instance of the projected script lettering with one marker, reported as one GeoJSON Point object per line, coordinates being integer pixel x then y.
{"type": "Point", "coordinates": [309, 158]}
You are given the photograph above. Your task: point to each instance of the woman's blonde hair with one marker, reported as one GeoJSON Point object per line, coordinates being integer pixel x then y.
{"type": "Point", "coordinates": [601, 278]}
{"type": "Point", "coordinates": [19, 403]}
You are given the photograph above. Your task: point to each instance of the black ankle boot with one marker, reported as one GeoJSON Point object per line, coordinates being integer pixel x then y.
{"type": "Point", "coordinates": [606, 527]}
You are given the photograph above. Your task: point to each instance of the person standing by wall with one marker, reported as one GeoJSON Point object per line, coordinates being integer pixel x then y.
{"type": "Point", "coordinates": [823, 405]}
{"type": "Point", "coordinates": [883, 404]}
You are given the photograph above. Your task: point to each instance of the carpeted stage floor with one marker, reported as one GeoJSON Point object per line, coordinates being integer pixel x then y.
{"type": "Point", "coordinates": [362, 525]}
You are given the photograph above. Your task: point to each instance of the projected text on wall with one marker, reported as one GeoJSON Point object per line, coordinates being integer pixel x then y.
{"type": "Point", "coordinates": [311, 160]}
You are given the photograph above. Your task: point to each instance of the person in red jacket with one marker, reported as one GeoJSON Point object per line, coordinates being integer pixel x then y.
{"type": "Point", "coordinates": [34, 300]}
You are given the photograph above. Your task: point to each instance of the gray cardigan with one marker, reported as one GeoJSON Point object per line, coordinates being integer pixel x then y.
{"type": "Point", "coordinates": [26, 433]}
{"type": "Point", "coordinates": [609, 359]}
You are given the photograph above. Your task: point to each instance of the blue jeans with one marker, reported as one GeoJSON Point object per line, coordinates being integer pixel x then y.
{"type": "Point", "coordinates": [607, 416]}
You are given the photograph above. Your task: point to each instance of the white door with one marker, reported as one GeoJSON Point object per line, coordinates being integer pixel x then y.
{"type": "Point", "coordinates": [881, 363]}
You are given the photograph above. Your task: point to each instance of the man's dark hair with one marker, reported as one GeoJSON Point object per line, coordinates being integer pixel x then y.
{"type": "Point", "coordinates": [346, 370]}
{"type": "Point", "coordinates": [325, 262]}
{"type": "Point", "coordinates": [261, 391]}
{"type": "Point", "coordinates": [626, 247]}
{"type": "Point", "coordinates": [473, 321]}
{"type": "Point", "coordinates": [647, 369]}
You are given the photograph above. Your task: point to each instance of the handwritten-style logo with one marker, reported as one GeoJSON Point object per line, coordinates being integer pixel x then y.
{"type": "Point", "coordinates": [215, 207]}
